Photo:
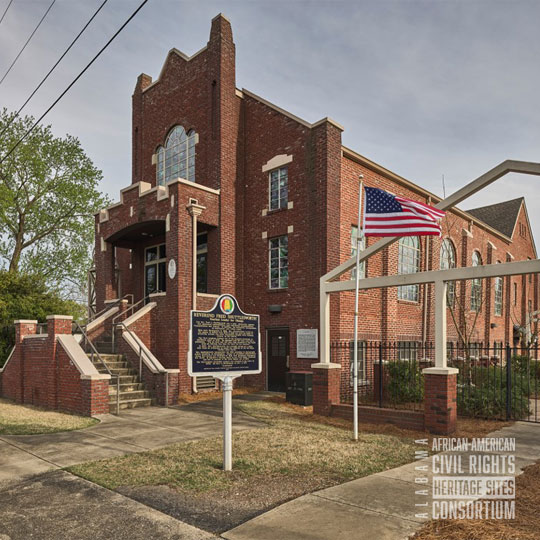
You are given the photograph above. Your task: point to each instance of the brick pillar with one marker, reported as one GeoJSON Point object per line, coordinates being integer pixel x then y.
{"type": "Point", "coordinates": [22, 328]}
{"type": "Point", "coordinates": [56, 324]}
{"type": "Point", "coordinates": [440, 400]}
{"type": "Point", "coordinates": [325, 387]}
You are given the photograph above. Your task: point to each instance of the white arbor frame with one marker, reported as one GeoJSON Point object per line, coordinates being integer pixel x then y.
{"type": "Point", "coordinates": [439, 277]}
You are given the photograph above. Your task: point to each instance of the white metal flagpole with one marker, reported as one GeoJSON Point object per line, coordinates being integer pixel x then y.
{"type": "Point", "coordinates": [359, 236]}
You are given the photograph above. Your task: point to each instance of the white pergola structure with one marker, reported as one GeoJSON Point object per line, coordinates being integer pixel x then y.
{"type": "Point", "coordinates": [440, 278]}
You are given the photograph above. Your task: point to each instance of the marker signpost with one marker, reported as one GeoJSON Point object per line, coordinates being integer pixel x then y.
{"type": "Point", "coordinates": [225, 343]}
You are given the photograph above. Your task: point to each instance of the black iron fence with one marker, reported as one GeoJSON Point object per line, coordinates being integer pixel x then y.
{"type": "Point", "coordinates": [494, 381]}
{"type": "Point", "coordinates": [389, 373]}
{"type": "Point", "coordinates": [497, 381]}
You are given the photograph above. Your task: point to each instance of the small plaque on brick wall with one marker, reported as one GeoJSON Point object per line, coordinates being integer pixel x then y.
{"type": "Point", "coordinates": [306, 343]}
{"type": "Point", "coordinates": [172, 268]}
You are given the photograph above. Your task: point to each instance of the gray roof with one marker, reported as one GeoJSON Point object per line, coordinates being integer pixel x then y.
{"type": "Point", "coordinates": [501, 216]}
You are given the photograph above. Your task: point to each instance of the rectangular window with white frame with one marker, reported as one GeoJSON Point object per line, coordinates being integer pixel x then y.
{"type": "Point", "coordinates": [407, 351]}
{"type": "Point", "coordinates": [155, 280]}
{"type": "Point", "coordinates": [279, 188]}
{"type": "Point", "coordinates": [354, 244]}
{"type": "Point", "coordinates": [278, 255]}
{"type": "Point", "coordinates": [362, 353]}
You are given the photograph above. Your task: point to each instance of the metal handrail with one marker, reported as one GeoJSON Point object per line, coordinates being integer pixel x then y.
{"type": "Point", "coordinates": [109, 306]}
{"type": "Point", "coordinates": [94, 351]}
{"type": "Point", "coordinates": [124, 314]}
{"type": "Point", "coordinates": [150, 359]}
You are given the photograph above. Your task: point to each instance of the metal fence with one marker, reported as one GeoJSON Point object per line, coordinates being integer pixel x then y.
{"type": "Point", "coordinates": [494, 381]}
{"type": "Point", "coordinates": [497, 381]}
{"type": "Point", "coordinates": [389, 373]}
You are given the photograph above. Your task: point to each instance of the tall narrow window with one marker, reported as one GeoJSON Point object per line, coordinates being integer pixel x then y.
{"type": "Point", "coordinates": [476, 285]}
{"type": "Point", "coordinates": [354, 243]}
{"type": "Point", "coordinates": [408, 263]}
{"type": "Point", "coordinates": [155, 259]}
{"type": "Point", "coordinates": [279, 188]}
{"type": "Point", "coordinates": [202, 262]}
{"type": "Point", "coordinates": [447, 261]}
{"type": "Point", "coordinates": [515, 294]}
{"type": "Point", "coordinates": [177, 158]}
{"type": "Point", "coordinates": [498, 295]}
{"type": "Point", "coordinates": [279, 262]}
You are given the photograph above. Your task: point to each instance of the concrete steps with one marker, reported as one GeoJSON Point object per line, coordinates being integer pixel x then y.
{"type": "Point", "coordinates": [130, 404]}
{"type": "Point", "coordinates": [132, 392]}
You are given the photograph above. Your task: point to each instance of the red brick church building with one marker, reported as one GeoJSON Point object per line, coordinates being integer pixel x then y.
{"type": "Point", "coordinates": [232, 194]}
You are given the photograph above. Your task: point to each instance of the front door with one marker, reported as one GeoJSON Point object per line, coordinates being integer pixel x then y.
{"type": "Point", "coordinates": [278, 358]}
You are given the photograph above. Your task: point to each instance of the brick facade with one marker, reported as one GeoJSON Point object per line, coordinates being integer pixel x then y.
{"type": "Point", "coordinates": [238, 133]}
{"type": "Point", "coordinates": [41, 372]}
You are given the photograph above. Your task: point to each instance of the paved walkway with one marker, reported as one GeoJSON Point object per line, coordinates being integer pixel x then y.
{"type": "Point", "coordinates": [380, 506]}
{"type": "Point", "coordinates": [37, 500]}
{"type": "Point", "coordinates": [57, 505]}
{"type": "Point", "coordinates": [135, 430]}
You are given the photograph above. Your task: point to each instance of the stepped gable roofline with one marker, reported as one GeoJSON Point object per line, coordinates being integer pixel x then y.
{"type": "Point", "coordinates": [174, 51]}
{"type": "Point", "coordinates": [362, 160]}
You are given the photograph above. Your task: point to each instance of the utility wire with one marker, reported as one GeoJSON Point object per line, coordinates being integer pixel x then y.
{"type": "Point", "coordinates": [73, 82]}
{"type": "Point", "coordinates": [27, 41]}
{"type": "Point", "coordinates": [4, 14]}
{"type": "Point", "coordinates": [52, 69]}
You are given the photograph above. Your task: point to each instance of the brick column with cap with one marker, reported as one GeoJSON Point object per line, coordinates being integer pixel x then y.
{"type": "Point", "coordinates": [326, 378]}
{"type": "Point", "coordinates": [56, 325]}
{"type": "Point", "coordinates": [440, 400]}
{"type": "Point", "coordinates": [12, 374]}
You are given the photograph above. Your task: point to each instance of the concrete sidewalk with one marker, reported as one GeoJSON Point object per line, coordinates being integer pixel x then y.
{"type": "Point", "coordinates": [135, 430]}
{"type": "Point", "coordinates": [59, 505]}
{"type": "Point", "coordinates": [380, 506]}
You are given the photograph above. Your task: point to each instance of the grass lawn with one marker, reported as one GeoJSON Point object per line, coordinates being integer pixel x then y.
{"type": "Point", "coordinates": [29, 420]}
{"type": "Point", "coordinates": [526, 526]}
{"type": "Point", "coordinates": [291, 456]}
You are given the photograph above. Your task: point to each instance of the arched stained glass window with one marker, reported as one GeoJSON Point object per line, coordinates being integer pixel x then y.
{"type": "Point", "coordinates": [447, 261]}
{"type": "Point", "coordinates": [408, 263]}
{"type": "Point", "coordinates": [177, 158]}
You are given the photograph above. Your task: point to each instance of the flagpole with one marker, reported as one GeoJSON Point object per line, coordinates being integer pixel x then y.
{"type": "Point", "coordinates": [359, 236]}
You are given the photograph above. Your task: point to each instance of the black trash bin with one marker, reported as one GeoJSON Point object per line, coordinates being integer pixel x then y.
{"type": "Point", "coordinates": [300, 387]}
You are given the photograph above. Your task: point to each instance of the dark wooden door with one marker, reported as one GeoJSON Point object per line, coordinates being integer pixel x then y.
{"type": "Point", "coordinates": [278, 356]}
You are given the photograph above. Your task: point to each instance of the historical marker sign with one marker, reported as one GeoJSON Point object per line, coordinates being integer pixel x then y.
{"type": "Point", "coordinates": [224, 341]}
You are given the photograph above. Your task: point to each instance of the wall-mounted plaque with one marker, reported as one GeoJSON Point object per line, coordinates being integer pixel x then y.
{"type": "Point", "coordinates": [306, 343]}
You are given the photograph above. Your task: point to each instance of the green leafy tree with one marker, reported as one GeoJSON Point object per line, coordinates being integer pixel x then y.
{"type": "Point", "coordinates": [27, 297]}
{"type": "Point", "coordinates": [48, 195]}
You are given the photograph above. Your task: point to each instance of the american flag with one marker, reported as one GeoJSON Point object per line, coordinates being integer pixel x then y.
{"type": "Point", "coordinates": [389, 215]}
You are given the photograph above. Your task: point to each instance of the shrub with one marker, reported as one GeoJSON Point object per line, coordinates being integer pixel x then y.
{"type": "Point", "coordinates": [405, 382]}
{"type": "Point", "coordinates": [483, 393]}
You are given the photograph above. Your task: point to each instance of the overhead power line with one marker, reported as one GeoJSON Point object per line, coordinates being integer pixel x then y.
{"type": "Point", "coordinates": [27, 41]}
{"type": "Point", "coordinates": [52, 69]}
{"type": "Point", "coordinates": [73, 82]}
{"type": "Point", "coordinates": [4, 14]}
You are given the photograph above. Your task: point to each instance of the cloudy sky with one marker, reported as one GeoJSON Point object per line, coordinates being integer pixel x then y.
{"type": "Point", "coordinates": [425, 88]}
